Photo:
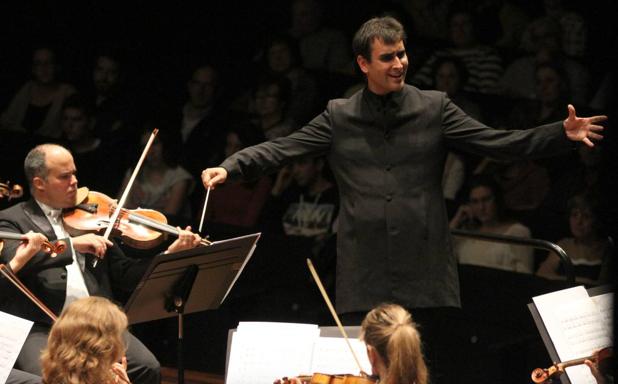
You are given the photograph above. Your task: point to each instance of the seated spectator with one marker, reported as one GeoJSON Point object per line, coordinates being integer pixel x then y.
{"type": "Point", "coordinates": [89, 151]}
{"type": "Point", "coordinates": [484, 213]}
{"type": "Point", "coordinates": [35, 108]}
{"type": "Point", "coordinates": [321, 48]}
{"type": "Point", "coordinates": [483, 63]}
{"type": "Point", "coordinates": [112, 106]}
{"type": "Point", "coordinates": [162, 184]}
{"type": "Point", "coordinates": [303, 201]}
{"type": "Point", "coordinates": [586, 247]}
{"type": "Point", "coordinates": [86, 344]}
{"type": "Point", "coordinates": [270, 101]}
{"type": "Point", "coordinates": [239, 204]}
{"type": "Point", "coordinates": [542, 44]}
{"type": "Point", "coordinates": [282, 59]}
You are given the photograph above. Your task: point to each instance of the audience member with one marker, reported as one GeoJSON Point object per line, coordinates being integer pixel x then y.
{"type": "Point", "coordinates": [322, 49]}
{"type": "Point", "coordinates": [485, 213]}
{"type": "Point", "coordinates": [304, 202]}
{"type": "Point", "coordinates": [483, 63]}
{"type": "Point", "coordinates": [271, 99]}
{"type": "Point", "coordinates": [542, 43]}
{"type": "Point", "coordinates": [587, 248]}
{"type": "Point", "coordinates": [35, 108]}
{"type": "Point", "coordinates": [282, 59]}
{"type": "Point", "coordinates": [112, 106]}
{"type": "Point", "coordinates": [239, 205]}
{"type": "Point", "coordinates": [86, 344]}
{"type": "Point", "coordinates": [502, 22]}
{"type": "Point", "coordinates": [162, 184]}
{"type": "Point", "coordinates": [573, 26]}
{"type": "Point", "coordinates": [100, 166]}
{"type": "Point", "coordinates": [201, 121]}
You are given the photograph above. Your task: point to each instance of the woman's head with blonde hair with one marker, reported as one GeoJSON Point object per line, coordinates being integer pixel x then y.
{"type": "Point", "coordinates": [389, 332]}
{"type": "Point", "coordinates": [84, 343]}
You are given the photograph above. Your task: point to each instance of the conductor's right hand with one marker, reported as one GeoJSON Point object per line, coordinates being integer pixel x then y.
{"type": "Point", "coordinates": [213, 176]}
{"type": "Point", "coordinates": [91, 243]}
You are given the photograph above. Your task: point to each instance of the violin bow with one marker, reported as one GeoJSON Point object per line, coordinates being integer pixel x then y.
{"type": "Point", "coordinates": [10, 276]}
{"type": "Point", "coordinates": [330, 306]}
{"type": "Point", "coordinates": [127, 190]}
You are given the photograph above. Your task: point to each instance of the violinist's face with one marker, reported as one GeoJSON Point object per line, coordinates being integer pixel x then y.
{"type": "Point", "coordinates": [59, 188]}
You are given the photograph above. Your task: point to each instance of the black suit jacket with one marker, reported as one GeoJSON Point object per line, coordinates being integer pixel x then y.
{"type": "Point", "coordinates": [46, 277]}
{"type": "Point", "coordinates": [387, 156]}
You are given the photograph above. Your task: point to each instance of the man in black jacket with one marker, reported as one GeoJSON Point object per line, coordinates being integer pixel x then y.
{"type": "Point", "coordinates": [57, 281]}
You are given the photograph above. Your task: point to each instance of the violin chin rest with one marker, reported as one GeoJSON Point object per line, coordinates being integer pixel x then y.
{"type": "Point", "coordinates": [81, 195]}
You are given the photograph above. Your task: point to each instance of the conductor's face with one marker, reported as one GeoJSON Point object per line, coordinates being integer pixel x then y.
{"type": "Point", "coordinates": [386, 71]}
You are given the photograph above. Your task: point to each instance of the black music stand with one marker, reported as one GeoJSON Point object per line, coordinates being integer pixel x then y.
{"type": "Point", "coordinates": [190, 281]}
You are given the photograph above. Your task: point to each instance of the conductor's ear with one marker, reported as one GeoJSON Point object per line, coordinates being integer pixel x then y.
{"type": "Point", "coordinates": [363, 63]}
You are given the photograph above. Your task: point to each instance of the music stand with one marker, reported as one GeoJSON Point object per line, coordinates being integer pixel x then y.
{"type": "Point", "coordinates": [190, 281]}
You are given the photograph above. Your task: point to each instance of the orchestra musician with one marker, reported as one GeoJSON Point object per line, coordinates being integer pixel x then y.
{"type": "Point", "coordinates": [58, 281]}
{"type": "Point", "coordinates": [86, 344]}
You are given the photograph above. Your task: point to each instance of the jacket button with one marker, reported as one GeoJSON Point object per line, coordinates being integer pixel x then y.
{"type": "Point", "coordinates": [388, 167]}
{"type": "Point", "coordinates": [389, 197]}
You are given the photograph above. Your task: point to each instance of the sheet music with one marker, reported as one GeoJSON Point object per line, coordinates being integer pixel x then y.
{"type": "Point", "coordinates": [331, 355]}
{"type": "Point", "coordinates": [263, 352]}
{"type": "Point", "coordinates": [13, 334]}
{"type": "Point", "coordinates": [576, 326]}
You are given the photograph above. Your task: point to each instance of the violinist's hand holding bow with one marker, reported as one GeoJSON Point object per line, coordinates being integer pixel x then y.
{"type": "Point", "coordinates": [186, 240]}
{"type": "Point", "coordinates": [29, 247]}
{"type": "Point", "coordinates": [213, 176]}
{"type": "Point", "coordinates": [583, 128]}
{"type": "Point", "coordinates": [91, 243]}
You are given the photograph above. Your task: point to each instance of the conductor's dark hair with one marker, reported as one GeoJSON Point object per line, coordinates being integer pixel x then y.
{"type": "Point", "coordinates": [386, 28]}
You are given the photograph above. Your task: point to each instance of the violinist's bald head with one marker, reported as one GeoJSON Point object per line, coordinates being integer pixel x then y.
{"type": "Point", "coordinates": [51, 175]}
{"type": "Point", "coordinates": [35, 163]}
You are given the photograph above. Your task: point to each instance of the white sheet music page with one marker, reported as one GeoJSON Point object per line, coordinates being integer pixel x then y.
{"type": "Point", "coordinates": [13, 333]}
{"type": "Point", "coordinates": [576, 326]}
{"type": "Point", "coordinates": [331, 355]}
{"type": "Point", "coordinates": [264, 352]}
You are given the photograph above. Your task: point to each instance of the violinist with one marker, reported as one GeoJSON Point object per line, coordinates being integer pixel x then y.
{"type": "Point", "coordinates": [51, 174]}
{"type": "Point", "coordinates": [393, 347]}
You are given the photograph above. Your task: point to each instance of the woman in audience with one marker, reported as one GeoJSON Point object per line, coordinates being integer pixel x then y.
{"type": "Point", "coordinates": [587, 249]}
{"type": "Point", "coordinates": [35, 108]}
{"type": "Point", "coordinates": [85, 344]}
{"type": "Point", "coordinates": [484, 213]}
{"type": "Point", "coordinates": [162, 184]}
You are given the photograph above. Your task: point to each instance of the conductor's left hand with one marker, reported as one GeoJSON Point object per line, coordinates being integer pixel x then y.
{"type": "Point", "coordinates": [583, 128]}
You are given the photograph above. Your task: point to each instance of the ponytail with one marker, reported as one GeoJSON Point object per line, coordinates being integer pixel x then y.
{"type": "Point", "coordinates": [390, 330]}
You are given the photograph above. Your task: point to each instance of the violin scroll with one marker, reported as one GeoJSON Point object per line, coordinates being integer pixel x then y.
{"type": "Point", "coordinates": [9, 191]}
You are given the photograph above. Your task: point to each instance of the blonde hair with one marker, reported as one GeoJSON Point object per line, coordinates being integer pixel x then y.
{"type": "Point", "coordinates": [389, 329]}
{"type": "Point", "coordinates": [84, 343]}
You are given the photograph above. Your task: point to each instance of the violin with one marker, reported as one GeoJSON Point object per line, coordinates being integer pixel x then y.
{"type": "Point", "coordinates": [138, 228]}
{"type": "Point", "coordinates": [9, 191]}
{"type": "Point", "coordinates": [52, 248]}
{"type": "Point", "coordinates": [541, 375]}
{"type": "Point", "coordinates": [322, 378]}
